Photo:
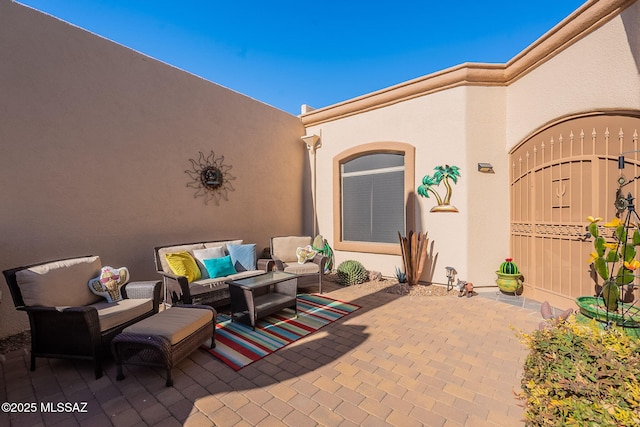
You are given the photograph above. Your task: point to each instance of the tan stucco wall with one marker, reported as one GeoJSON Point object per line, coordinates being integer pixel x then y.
{"type": "Point", "coordinates": [599, 72]}
{"type": "Point", "coordinates": [488, 195]}
{"type": "Point", "coordinates": [95, 140]}
{"type": "Point", "coordinates": [460, 126]}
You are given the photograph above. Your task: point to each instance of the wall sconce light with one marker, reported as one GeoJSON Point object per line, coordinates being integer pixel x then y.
{"type": "Point", "coordinates": [485, 168]}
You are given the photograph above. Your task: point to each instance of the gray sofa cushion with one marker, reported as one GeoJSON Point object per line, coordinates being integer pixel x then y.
{"type": "Point", "coordinates": [60, 283]}
{"type": "Point", "coordinates": [175, 324]}
{"type": "Point", "coordinates": [112, 314]}
{"type": "Point", "coordinates": [306, 268]}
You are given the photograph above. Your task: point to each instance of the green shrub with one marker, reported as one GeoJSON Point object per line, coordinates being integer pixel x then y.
{"type": "Point", "coordinates": [580, 375]}
{"type": "Point", "coordinates": [352, 273]}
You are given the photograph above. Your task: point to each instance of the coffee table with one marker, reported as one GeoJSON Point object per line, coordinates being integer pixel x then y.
{"type": "Point", "coordinates": [255, 297]}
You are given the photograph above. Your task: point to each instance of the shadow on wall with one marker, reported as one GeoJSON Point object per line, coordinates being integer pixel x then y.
{"type": "Point", "coordinates": [430, 264]}
{"type": "Point", "coordinates": [429, 268]}
{"type": "Point", "coordinates": [630, 19]}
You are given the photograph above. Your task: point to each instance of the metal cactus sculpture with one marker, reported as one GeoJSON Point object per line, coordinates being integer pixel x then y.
{"type": "Point", "coordinates": [414, 254]}
{"type": "Point", "coordinates": [443, 174]}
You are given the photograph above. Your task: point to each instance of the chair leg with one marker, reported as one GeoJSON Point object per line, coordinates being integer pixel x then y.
{"type": "Point", "coordinates": [98, 368]}
{"type": "Point", "coordinates": [169, 382]}
{"type": "Point", "coordinates": [120, 375]}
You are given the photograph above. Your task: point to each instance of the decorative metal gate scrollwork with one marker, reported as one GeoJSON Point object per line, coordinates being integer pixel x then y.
{"type": "Point", "coordinates": [559, 176]}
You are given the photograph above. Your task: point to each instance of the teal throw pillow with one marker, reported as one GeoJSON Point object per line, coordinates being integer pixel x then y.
{"type": "Point", "coordinates": [219, 267]}
{"type": "Point", "coordinates": [243, 257]}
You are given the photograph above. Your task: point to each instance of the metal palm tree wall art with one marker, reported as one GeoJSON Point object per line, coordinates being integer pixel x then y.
{"type": "Point", "coordinates": [443, 174]}
{"type": "Point", "coordinates": [211, 178]}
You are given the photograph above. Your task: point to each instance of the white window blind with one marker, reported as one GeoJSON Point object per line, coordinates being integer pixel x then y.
{"type": "Point", "coordinates": [373, 207]}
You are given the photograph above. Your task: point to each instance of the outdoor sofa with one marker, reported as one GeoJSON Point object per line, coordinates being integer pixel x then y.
{"type": "Point", "coordinates": [67, 319]}
{"type": "Point", "coordinates": [184, 285]}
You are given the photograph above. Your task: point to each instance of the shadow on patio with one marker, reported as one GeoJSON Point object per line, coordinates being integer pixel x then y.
{"type": "Point", "coordinates": [399, 360]}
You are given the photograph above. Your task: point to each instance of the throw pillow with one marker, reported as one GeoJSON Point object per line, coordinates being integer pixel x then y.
{"type": "Point", "coordinates": [305, 254]}
{"type": "Point", "coordinates": [183, 264]}
{"type": "Point", "coordinates": [243, 257]}
{"type": "Point", "coordinates": [109, 282]}
{"type": "Point", "coordinates": [201, 254]}
{"type": "Point", "coordinates": [219, 267]}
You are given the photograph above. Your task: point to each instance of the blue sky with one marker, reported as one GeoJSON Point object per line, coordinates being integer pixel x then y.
{"type": "Point", "coordinates": [288, 53]}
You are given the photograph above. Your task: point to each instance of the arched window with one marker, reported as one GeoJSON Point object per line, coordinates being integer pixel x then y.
{"type": "Point", "coordinates": [373, 188]}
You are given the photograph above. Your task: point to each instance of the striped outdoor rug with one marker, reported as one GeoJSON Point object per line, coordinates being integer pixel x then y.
{"type": "Point", "coordinates": [238, 345]}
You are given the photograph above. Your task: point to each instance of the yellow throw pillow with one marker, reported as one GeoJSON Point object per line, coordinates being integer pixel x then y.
{"type": "Point", "coordinates": [183, 264]}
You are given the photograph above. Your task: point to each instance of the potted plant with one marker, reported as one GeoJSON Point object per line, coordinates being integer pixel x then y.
{"type": "Point", "coordinates": [509, 278]}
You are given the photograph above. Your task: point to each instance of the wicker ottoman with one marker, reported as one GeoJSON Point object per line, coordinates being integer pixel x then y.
{"type": "Point", "coordinates": [166, 338]}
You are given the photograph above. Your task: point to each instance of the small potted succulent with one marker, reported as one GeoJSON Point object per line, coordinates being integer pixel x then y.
{"type": "Point", "coordinates": [509, 278]}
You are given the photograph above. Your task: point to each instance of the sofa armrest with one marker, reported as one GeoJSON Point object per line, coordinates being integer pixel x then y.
{"type": "Point", "coordinates": [321, 260]}
{"type": "Point", "coordinates": [177, 287]}
{"type": "Point", "coordinates": [145, 289]}
{"type": "Point", "coordinates": [265, 264]}
{"type": "Point", "coordinates": [278, 265]}
{"type": "Point", "coordinates": [172, 276]}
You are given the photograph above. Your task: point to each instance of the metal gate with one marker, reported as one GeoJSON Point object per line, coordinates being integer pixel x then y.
{"type": "Point", "coordinates": [559, 176]}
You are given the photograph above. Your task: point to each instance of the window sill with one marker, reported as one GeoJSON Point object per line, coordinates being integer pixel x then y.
{"type": "Point", "coordinates": [369, 247]}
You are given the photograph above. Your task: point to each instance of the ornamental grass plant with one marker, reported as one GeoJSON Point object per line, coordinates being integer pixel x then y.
{"type": "Point", "coordinates": [579, 375]}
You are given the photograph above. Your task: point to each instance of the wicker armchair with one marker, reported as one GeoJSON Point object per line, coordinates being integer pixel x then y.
{"type": "Point", "coordinates": [66, 319]}
{"type": "Point", "coordinates": [283, 254]}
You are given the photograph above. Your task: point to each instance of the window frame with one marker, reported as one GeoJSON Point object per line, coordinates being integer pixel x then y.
{"type": "Point", "coordinates": [408, 151]}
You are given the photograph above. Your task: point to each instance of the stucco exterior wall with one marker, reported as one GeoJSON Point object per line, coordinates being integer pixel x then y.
{"type": "Point", "coordinates": [95, 140]}
{"type": "Point", "coordinates": [599, 72]}
{"type": "Point", "coordinates": [487, 218]}
{"type": "Point", "coordinates": [436, 126]}
{"type": "Point", "coordinates": [462, 127]}
{"type": "Point", "coordinates": [477, 114]}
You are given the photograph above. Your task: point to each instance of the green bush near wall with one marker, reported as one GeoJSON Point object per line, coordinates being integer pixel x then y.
{"type": "Point", "coordinates": [579, 375]}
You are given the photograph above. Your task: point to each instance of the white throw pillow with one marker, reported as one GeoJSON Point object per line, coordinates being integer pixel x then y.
{"type": "Point", "coordinates": [208, 253]}
{"type": "Point", "coordinates": [305, 254]}
{"type": "Point", "coordinates": [109, 282]}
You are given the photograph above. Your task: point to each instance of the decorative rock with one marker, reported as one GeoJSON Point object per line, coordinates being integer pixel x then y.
{"type": "Point", "coordinates": [374, 275]}
{"type": "Point", "coordinates": [547, 314]}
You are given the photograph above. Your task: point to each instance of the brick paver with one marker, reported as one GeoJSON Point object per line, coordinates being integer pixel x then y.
{"type": "Point", "coordinates": [398, 361]}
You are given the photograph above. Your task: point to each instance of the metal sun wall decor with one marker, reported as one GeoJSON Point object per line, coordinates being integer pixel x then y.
{"type": "Point", "coordinates": [443, 174]}
{"type": "Point", "coordinates": [211, 178]}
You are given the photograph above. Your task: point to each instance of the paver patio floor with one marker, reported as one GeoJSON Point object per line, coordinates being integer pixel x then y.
{"type": "Point", "coordinates": [399, 361]}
